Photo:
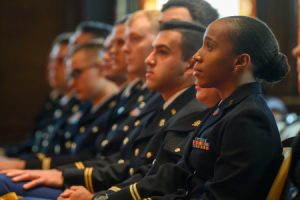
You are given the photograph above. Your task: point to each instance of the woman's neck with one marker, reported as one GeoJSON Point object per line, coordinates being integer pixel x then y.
{"type": "Point", "coordinates": [227, 88]}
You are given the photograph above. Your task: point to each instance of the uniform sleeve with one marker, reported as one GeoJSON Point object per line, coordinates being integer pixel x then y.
{"type": "Point", "coordinates": [95, 178]}
{"type": "Point", "coordinates": [42, 161]}
{"type": "Point", "coordinates": [132, 179]}
{"type": "Point", "coordinates": [38, 161]}
{"type": "Point", "coordinates": [96, 162]}
{"type": "Point", "coordinates": [249, 151]}
{"type": "Point", "coordinates": [33, 163]}
{"type": "Point", "coordinates": [169, 180]}
{"type": "Point", "coordinates": [169, 154]}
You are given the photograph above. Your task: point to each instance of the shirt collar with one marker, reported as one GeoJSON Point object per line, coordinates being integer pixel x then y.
{"type": "Point", "coordinates": [172, 98]}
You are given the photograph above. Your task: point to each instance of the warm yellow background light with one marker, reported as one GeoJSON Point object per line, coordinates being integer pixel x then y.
{"type": "Point", "coordinates": [225, 7]}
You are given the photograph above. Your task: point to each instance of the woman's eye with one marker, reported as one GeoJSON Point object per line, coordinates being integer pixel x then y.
{"type": "Point", "coordinates": [209, 46]}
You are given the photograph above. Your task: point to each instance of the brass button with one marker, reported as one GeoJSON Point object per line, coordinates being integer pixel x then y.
{"type": "Point", "coordinates": [68, 144]}
{"type": "Point", "coordinates": [104, 143]}
{"type": "Point", "coordinates": [173, 111]}
{"type": "Point", "coordinates": [137, 122]}
{"type": "Point", "coordinates": [141, 98]}
{"type": "Point", "coordinates": [136, 151]}
{"type": "Point", "coordinates": [75, 108]}
{"type": "Point", "coordinates": [131, 171]}
{"type": "Point", "coordinates": [149, 155]}
{"type": "Point", "coordinates": [177, 150]}
{"type": "Point", "coordinates": [196, 123]}
{"type": "Point", "coordinates": [74, 145]}
{"type": "Point", "coordinates": [125, 128]}
{"type": "Point", "coordinates": [81, 129]}
{"type": "Point", "coordinates": [162, 122]}
{"type": "Point", "coordinates": [142, 104]}
{"type": "Point", "coordinates": [114, 127]}
{"type": "Point", "coordinates": [95, 129]}
{"type": "Point", "coordinates": [126, 140]}
{"type": "Point", "coordinates": [121, 161]}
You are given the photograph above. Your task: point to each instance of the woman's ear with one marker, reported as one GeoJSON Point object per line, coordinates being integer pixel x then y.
{"type": "Point", "coordinates": [242, 62]}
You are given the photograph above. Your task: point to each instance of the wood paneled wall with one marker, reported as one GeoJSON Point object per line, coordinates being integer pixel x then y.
{"type": "Point", "coordinates": [282, 17]}
{"type": "Point", "coordinates": [27, 29]}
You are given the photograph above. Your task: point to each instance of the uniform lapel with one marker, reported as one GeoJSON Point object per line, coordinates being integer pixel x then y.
{"type": "Point", "coordinates": [162, 117]}
{"type": "Point", "coordinates": [219, 110]}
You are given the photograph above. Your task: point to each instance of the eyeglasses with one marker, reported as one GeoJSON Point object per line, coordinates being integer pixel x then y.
{"type": "Point", "coordinates": [75, 73]}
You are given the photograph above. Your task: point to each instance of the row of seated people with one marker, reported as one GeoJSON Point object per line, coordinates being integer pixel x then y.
{"type": "Point", "coordinates": [132, 125]}
{"type": "Point", "coordinates": [155, 138]}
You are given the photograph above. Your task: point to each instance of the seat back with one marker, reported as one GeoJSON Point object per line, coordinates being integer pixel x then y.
{"type": "Point", "coordinates": [295, 174]}
{"type": "Point", "coordinates": [279, 183]}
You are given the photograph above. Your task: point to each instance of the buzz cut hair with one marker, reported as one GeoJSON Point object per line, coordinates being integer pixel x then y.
{"type": "Point", "coordinates": [92, 46]}
{"type": "Point", "coordinates": [151, 15]}
{"type": "Point", "coordinates": [97, 29]}
{"type": "Point", "coordinates": [200, 10]}
{"type": "Point", "coordinates": [63, 38]}
{"type": "Point", "coordinates": [191, 36]}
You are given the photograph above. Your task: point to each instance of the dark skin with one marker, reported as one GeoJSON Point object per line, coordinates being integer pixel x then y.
{"type": "Point", "coordinates": [217, 65]}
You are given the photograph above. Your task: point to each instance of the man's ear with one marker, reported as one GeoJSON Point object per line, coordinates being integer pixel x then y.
{"type": "Point", "coordinates": [242, 62]}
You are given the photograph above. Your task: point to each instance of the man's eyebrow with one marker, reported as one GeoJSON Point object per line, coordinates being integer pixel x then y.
{"type": "Point", "coordinates": [161, 46]}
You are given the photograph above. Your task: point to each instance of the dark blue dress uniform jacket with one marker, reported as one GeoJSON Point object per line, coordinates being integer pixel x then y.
{"type": "Point", "coordinates": [42, 119]}
{"type": "Point", "coordinates": [170, 129]}
{"type": "Point", "coordinates": [92, 129]}
{"type": "Point", "coordinates": [100, 174]}
{"type": "Point", "coordinates": [168, 145]}
{"type": "Point", "coordinates": [235, 154]}
{"type": "Point", "coordinates": [45, 133]}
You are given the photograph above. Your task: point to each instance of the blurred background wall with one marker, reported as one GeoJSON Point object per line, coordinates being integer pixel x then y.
{"type": "Point", "coordinates": [27, 29]}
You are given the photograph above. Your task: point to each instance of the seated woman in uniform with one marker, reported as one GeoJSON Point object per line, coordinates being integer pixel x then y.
{"type": "Point", "coordinates": [236, 152]}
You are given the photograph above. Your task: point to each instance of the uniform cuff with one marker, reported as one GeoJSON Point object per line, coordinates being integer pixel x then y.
{"type": "Point", "coordinates": [128, 193]}
{"type": "Point", "coordinates": [79, 177]}
{"type": "Point", "coordinates": [73, 176]}
{"type": "Point", "coordinates": [33, 163]}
